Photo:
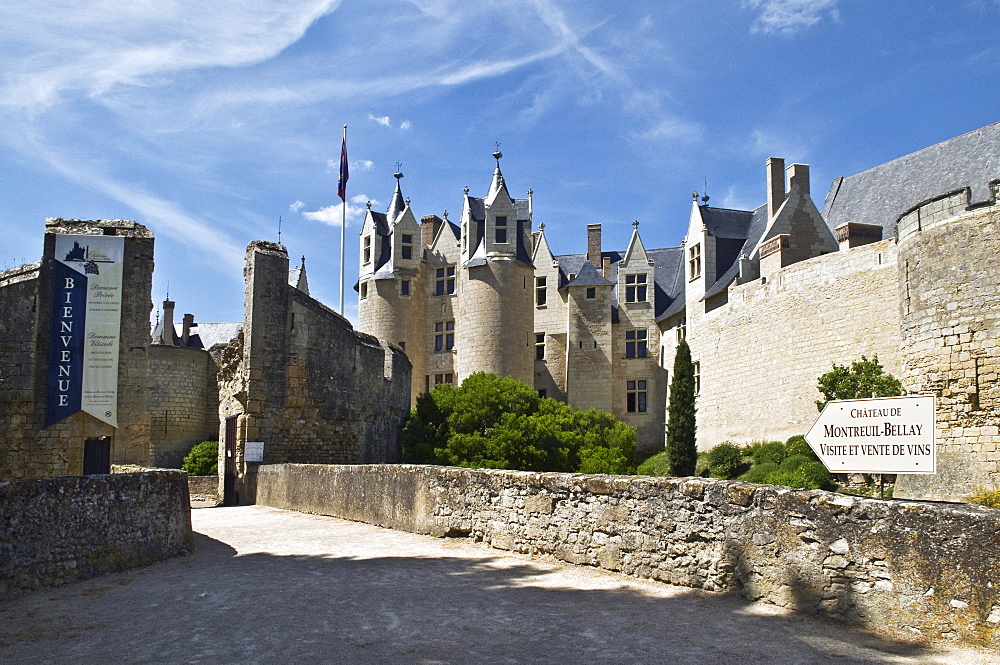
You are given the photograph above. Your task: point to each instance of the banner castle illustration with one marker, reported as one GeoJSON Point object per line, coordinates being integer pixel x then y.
{"type": "Point", "coordinates": [87, 299]}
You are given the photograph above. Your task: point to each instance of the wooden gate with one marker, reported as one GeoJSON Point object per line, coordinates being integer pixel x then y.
{"type": "Point", "coordinates": [229, 494]}
{"type": "Point", "coordinates": [96, 456]}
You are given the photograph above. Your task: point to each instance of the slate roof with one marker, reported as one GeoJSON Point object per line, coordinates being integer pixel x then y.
{"type": "Point", "coordinates": [477, 207]}
{"type": "Point", "coordinates": [668, 285]}
{"type": "Point", "coordinates": [727, 254]}
{"type": "Point", "coordinates": [883, 193]}
{"type": "Point", "coordinates": [207, 335]}
{"type": "Point", "coordinates": [588, 276]}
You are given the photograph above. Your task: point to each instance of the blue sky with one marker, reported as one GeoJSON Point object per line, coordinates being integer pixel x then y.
{"type": "Point", "coordinates": [207, 121]}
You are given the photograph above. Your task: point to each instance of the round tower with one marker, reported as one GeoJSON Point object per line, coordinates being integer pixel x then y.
{"type": "Point", "coordinates": [495, 321]}
{"type": "Point", "coordinates": [950, 323]}
{"type": "Point", "coordinates": [391, 290]}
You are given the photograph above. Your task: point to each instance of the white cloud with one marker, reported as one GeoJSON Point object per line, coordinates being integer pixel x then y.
{"type": "Point", "coordinates": [332, 215]}
{"type": "Point", "coordinates": [138, 42]}
{"type": "Point", "coordinates": [363, 165]}
{"type": "Point", "coordinates": [406, 124]}
{"type": "Point", "coordinates": [382, 119]}
{"type": "Point", "coordinates": [362, 198]}
{"type": "Point", "coordinates": [295, 207]}
{"type": "Point", "coordinates": [789, 16]}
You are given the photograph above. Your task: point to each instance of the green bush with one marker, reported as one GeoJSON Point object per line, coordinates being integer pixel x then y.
{"type": "Point", "coordinates": [657, 465]}
{"type": "Point", "coordinates": [769, 451]}
{"type": "Point", "coordinates": [984, 497]}
{"type": "Point", "coordinates": [758, 473]}
{"type": "Point", "coordinates": [203, 460]}
{"type": "Point", "coordinates": [497, 422]}
{"type": "Point", "coordinates": [793, 462]}
{"type": "Point", "coordinates": [724, 461]}
{"type": "Point", "coordinates": [863, 379]}
{"type": "Point", "coordinates": [797, 445]}
{"type": "Point", "coordinates": [795, 478]}
{"type": "Point", "coordinates": [818, 474]}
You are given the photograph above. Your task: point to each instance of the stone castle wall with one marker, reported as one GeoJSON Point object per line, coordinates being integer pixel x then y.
{"type": "Point", "coordinates": [760, 354]}
{"type": "Point", "coordinates": [898, 568]}
{"type": "Point", "coordinates": [61, 530]}
{"type": "Point", "coordinates": [301, 380]}
{"type": "Point", "coordinates": [950, 300]}
{"type": "Point", "coordinates": [26, 449]}
{"type": "Point", "coordinates": [184, 407]}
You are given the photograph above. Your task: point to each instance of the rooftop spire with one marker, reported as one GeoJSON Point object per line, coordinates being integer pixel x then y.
{"type": "Point", "coordinates": [397, 205]}
{"type": "Point", "coordinates": [497, 184]}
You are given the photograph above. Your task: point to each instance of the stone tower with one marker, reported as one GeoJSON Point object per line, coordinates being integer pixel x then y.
{"type": "Point", "coordinates": [391, 283]}
{"type": "Point", "coordinates": [950, 314]}
{"type": "Point", "coordinates": [493, 332]}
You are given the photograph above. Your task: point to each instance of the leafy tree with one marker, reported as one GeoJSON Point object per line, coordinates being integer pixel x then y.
{"type": "Point", "coordinates": [863, 379]}
{"type": "Point", "coordinates": [681, 444]}
{"type": "Point", "coordinates": [203, 460]}
{"type": "Point", "coordinates": [497, 422]}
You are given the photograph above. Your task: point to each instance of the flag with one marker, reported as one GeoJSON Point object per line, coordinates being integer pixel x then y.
{"type": "Point", "coordinates": [342, 180]}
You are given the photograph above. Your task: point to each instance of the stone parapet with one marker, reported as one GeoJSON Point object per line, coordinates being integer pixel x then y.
{"type": "Point", "coordinates": [900, 568]}
{"type": "Point", "coordinates": [61, 530]}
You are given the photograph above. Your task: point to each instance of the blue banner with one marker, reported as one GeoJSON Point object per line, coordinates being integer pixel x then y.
{"type": "Point", "coordinates": [66, 336]}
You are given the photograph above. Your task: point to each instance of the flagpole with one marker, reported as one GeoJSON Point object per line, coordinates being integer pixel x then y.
{"type": "Point", "coordinates": [343, 225]}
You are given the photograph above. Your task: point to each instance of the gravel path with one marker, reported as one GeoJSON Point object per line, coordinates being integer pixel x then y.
{"type": "Point", "coordinates": [273, 586]}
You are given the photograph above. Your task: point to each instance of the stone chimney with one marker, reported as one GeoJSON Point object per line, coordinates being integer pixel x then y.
{"type": "Point", "coordinates": [429, 226]}
{"type": "Point", "coordinates": [594, 245]}
{"type": "Point", "coordinates": [606, 267]}
{"type": "Point", "coordinates": [776, 184]}
{"type": "Point", "coordinates": [798, 179]}
{"type": "Point", "coordinates": [167, 336]}
{"type": "Point", "coordinates": [186, 329]}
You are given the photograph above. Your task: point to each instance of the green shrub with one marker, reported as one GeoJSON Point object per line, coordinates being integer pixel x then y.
{"type": "Point", "coordinates": [796, 478]}
{"type": "Point", "coordinates": [770, 451]}
{"type": "Point", "coordinates": [657, 465]}
{"type": "Point", "coordinates": [818, 474]}
{"type": "Point", "coordinates": [203, 460]}
{"type": "Point", "coordinates": [984, 497]}
{"type": "Point", "coordinates": [724, 461]}
{"type": "Point", "coordinates": [496, 422]}
{"type": "Point", "coordinates": [797, 445]}
{"type": "Point", "coordinates": [864, 378]}
{"type": "Point", "coordinates": [793, 462]}
{"type": "Point", "coordinates": [758, 473]}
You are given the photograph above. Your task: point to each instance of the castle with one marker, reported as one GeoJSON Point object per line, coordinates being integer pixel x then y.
{"type": "Point", "coordinates": [899, 263]}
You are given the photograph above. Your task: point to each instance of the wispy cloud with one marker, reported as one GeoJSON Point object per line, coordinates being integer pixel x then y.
{"type": "Point", "coordinates": [297, 206]}
{"type": "Point", "coordinates": [139, 42]}
{"type": "Point", "coordinates": [673, 130]}
{"type": "Point", "coordinates": [380, 119]}
{"type": "Point", "coordinates": [789, 16]}
{"type": "Point", "coordinates": [764, 143]}
{"type": "Point", "coordinates": [363, 165]}
{"type": "Point", "coordinates": [406, 124]}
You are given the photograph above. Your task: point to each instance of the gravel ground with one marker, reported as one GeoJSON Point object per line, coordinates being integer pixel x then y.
{"type": "Point", "coordinates": [274, 586]}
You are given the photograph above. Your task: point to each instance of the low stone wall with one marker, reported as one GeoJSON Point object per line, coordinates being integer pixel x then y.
{"type": "Point", "coordinates": [60, 530]}
{"type": "Point", "coordinates": [203, 485]}
{"type": "Point", "coordinates": [901, 568]}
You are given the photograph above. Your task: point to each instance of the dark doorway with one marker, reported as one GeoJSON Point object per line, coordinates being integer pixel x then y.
{"type": "Point", "coordinates": [96, 456]}
{"type": "Point", "coordinates": [229, 495]}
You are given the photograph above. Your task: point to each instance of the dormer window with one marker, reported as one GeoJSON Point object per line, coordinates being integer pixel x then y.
{"type": "Point", "coordinates": [368, 249]}
{"type": "Point", "coordinates": [635, 288]}
{"type": "Point", "coordinates": [407, 246]}
{"type": "Point", "coordinates": [501, 229]}
{"type": "Point", "coordinates": [694, 261]}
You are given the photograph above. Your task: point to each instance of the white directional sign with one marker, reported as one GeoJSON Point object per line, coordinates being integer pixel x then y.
{"type": "Point", "coordinates": [881, 435]}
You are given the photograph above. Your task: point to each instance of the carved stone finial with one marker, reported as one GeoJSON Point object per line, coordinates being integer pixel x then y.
{"type": "Point", "coordinates": [407, 200]}
{"type": "Point", "coordinates": [541, 226]}
{"type": "Point", "coordinates": [694, 196]}
{"type": "Point", "coordinates": [445, 215]}
{"type": "Point", "coordinates": [466, 189]}
{"type": "Point", "coordinates": [635, 224]}
{"type": "Point", "coordinates": [369, 205]}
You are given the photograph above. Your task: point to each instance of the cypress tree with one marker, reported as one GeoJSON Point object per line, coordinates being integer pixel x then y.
{"type": "Point", "coordinates": [681, 446]}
